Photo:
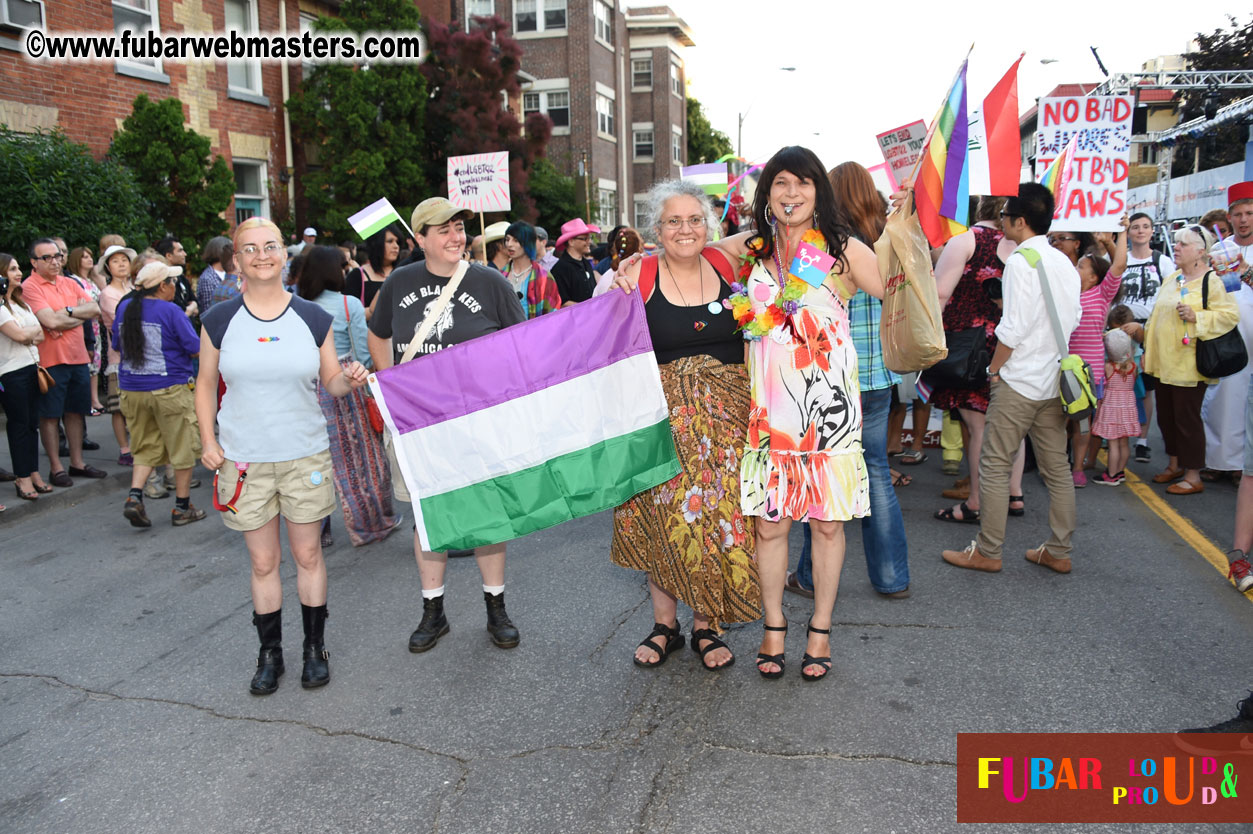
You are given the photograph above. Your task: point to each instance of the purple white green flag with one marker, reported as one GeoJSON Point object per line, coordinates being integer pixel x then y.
{"type": "Point", "coordinates": [553, 419]}
{"type": "Point", "coordinates": [378, 215]}
{"type": "Point", "coordinates": [710, 176]}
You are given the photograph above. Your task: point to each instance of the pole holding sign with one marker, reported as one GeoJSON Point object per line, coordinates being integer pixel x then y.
{"type": "Point", "coordinates": [901, 148]}
{"type": "Point", "coordinates": [479, 182]}
{"type": "Point", "coordinates": [1096, 196]}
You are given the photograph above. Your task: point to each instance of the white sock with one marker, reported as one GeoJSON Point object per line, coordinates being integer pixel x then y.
{"type": "Point", "coordinates": [433, 593]}
{"type": "Point", "coordinates": [494, 590]}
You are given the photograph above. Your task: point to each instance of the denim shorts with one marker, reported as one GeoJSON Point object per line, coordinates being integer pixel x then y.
{"type": "Point", "coordinates": [71, 394]}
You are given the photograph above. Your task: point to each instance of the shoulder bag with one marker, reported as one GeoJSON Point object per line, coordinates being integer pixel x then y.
{"type": "Point", "coordinates": [1078, 394]}
{"type": "Point", "coordinates": [1223, 356]}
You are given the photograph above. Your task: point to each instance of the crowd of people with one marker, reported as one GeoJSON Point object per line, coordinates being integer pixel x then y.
{"type": "Point", "coordinates": [782, 408]}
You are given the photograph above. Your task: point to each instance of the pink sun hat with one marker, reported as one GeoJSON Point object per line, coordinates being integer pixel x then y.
{"type": "Point", "coordinates": [574, 228]}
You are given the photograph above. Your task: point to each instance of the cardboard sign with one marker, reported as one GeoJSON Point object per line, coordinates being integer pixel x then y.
{"type": "Point", "coordinates": [811, 264]}
{"type": "Point", "coordinates": [479, 182]}
{"type": "Point", "coordinates": [901, 148]}
{"type": "Point", "coordinates": [1096, 196]}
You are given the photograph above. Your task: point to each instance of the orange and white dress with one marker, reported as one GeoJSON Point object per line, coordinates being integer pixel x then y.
{"type": "Point", "coordinates": [803, 458]}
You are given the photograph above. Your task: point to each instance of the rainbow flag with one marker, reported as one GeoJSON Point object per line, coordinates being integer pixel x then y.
{"type": "Point", "coordinates": [1056, 177]}
{"type": "Point", "coordinates": [942, 190]}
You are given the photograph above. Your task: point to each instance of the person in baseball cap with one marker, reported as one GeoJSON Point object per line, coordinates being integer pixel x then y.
{"type": "Point", "coordinates": [435, 211]}
{"type": "Point", "coordinates": [543, 256]}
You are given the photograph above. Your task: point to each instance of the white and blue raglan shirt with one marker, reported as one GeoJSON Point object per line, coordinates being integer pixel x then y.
{"type": "Point", "coordinates": [270, 410]}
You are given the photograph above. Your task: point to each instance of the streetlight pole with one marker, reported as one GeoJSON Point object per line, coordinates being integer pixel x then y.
{"type": "Point", "coordinates": [739, 133]}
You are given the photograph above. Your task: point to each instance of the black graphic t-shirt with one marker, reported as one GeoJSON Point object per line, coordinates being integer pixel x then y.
{"type": "Point", "coordinates": [484, 303]}
{"type": "Point", "coordinates": [1141, 282]}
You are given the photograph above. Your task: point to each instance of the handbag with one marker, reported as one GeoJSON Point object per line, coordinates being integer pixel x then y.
{"type": "Point", "coordinates": [966, 366]}
{"type": "Point", "coordinates": [372, 413]}
{"type": "Point", "coordinates": [45, 379]}
{"type": "Point", "coordinates": [1224, 356]}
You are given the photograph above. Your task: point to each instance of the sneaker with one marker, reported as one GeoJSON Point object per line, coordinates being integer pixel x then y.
{"type": "Point", "coordinates": [1106, 479]}
{"type": "Point", "coordinates": [1242, 723]}
{"type": "Point", "coordinates": [168, 483]}
{"type": "Point", "coordinates": [951, 467]}
{"type": "Point", "coordinates": [1080, 479]}
{"type": "Point", "coordinates": [1143, 455]}
{"type": "Point", "coordinates": [1241, 573]}
{"type": "Point", "coordinates": [153, 488]}
{"type": "Point", "coordinates": [1041, 556]}
{"type": "Point", "coordinates": [135, 513]}
{"type": "Point", "coordinates": [180, 517]}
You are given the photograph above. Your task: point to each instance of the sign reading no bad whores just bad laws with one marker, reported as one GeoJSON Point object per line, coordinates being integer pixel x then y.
{"type": "Point", "coordinates": [479, 182]}
{"type": "Point", "coordinates": [1096, 196]}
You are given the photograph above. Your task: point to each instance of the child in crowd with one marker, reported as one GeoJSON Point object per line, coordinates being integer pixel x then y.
{"type": "Point", "coordinates": [1117, 419]}
{"type": "Point", "coordinates": [1118, 316]}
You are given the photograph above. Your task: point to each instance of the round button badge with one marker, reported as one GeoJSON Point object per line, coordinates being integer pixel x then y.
{"type": "Point", "coordinates": [316, 478]}
{"type": "Point", "coordinates": [714, 308]}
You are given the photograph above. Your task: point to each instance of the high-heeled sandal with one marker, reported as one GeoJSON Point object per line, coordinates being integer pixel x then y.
{"type": "Point", "coordinates": [42, 489]}
{"type": "Point", "coordinates": [1017, 499]}
{"type": "Point", "coordinates": [674, 642]}
{"type": "Point", "coordinates": [776, 659]}
{"type": "Point", "coordinates": [699, 634]}
{"type": "Point", "coordinates": [24, 495]}
{"type": "Point", "coordinates": [810, 660]}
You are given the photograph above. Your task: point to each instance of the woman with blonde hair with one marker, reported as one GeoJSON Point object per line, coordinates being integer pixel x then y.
{"type": "Point", "coordinates": [273, 459]}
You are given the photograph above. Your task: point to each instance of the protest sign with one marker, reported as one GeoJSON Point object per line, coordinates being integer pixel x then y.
{"type": "Point", "coordinates": [1096, 196]}
{"type": "Point", "coordinates": [479, 182]}
{"type": "Point", "coordinates": [901, 148]}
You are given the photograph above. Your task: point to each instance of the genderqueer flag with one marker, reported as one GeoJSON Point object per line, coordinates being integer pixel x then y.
{"type": "Point", "coordinates": [712, 177]}
{"type": "Point", "coordinates": [553, 419]}
{"type": "Point", "coordinates": [373, 218]}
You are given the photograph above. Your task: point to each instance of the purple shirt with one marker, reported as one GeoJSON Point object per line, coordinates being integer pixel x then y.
{"type": "Point", "coordinates": [169, 343]}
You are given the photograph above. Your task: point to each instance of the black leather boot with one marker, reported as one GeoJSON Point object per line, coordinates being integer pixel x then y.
{"type": "Point", "coordinates": [270, 658]}
{"type": "Point", "coordinates": [317, 671]}
{"type": "Point", "coordinates": [499, 627]}
{"type": "Point", "coordinates": [434, 625]}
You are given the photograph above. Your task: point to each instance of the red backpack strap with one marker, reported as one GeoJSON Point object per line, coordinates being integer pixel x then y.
{"type": "Point", "coordinates": [719, 262]}
{"type": "Point", "coordinates": [648, 277]}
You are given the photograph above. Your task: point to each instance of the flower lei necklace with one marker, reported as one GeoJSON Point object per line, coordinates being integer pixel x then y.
{"type": "Point", "coordinates": [787, 302]}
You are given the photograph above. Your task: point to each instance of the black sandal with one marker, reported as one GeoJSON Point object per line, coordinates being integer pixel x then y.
{"type": "Point", "coordinates": [776, 659]}
{"type": "Point", "coordinates": [969, 516]}
{"type": "Point", "coordinates": [674, 641]}
{"type": "Point", "coordinates": [1021, 510]}
{"type": "Point", "coordinates": [810, 660]}
{"type": "Point", "coordinates": [714, 643]}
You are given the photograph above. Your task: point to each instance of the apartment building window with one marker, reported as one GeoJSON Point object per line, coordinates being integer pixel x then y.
{"type": "Point", "coordinates": [539, 15]}
{"type": "Point", "coordinates": [676, 79]}
{"type": "Point", "coordinates": [641, 73]}
{"type": "Point", "coordinates": [604, 115]}
{"type": "Point", "coordinates": [607, 208]}
{"type": "Point", "coordinates": [553, 103]}
{"type": "Point", "coordinates": [676, 145]}
{"type": "Point", "coordinates": [242, 76]}
{"type": "Point", "coordinates": [604, 22]}
{"type": "Point", "coordinates": [642, 139]}
{"type": "Point", "coordinates": [641, 212]}
{"type": "Point", "coordinates": [139, 16]}
{"type": "Point", "coordinates": [478, 8]}
{"type": "Point", "coordinates": [250, 188]}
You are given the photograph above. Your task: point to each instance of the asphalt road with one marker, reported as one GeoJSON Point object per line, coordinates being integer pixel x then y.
{"type": "Point", "coordinates": [127, 653]}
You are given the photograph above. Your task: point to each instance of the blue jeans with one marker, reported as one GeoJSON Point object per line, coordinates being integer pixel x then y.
{"type": "Point", "coordinates": [883, 532]}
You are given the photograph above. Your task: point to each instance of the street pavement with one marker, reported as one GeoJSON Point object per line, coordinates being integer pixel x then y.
{"type": "Point", "coordinates": [127, 653]}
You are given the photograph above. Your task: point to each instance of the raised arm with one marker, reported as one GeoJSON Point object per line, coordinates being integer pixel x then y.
{"type": "Point", "coordinates": [862, 268]}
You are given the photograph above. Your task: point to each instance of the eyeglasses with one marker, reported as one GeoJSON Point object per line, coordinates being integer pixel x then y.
{"type": "Point", "coordinates": [49, 258]}
{"type": "Point", "coordinates": [1009, 214]}
{"type": "Point", "coordinates": [1061, 239]}
{"type": "Point", "coordinates": [674, 223]}
{"type": "Point", "coordinates": [251, 250]}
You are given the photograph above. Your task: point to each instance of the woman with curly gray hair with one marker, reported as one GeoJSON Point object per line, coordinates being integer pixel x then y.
{"type": "Point", "coordinates": [689, 534]}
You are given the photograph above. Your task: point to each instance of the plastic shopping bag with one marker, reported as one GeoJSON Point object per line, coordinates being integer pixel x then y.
{"type": "Point", "coordinates": [911, 327]}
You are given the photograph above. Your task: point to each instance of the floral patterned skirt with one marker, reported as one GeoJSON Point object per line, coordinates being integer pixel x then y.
{"type": "Point", "coordinates": [689, 533]}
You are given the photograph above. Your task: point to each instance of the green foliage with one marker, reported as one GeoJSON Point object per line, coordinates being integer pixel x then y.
{"type": "Point", "coordinates": [186, 190]}
{"type": "Point", "coordinates": [556, 198]}
{"type": "Point", "coordinates": [53, 186]}
{"type": "Point", "coordinates": [704, 143]}
{"type": "Point", "coordinates": [1222, 49]}
{"type": "Point", "coordinates": [366, 124]}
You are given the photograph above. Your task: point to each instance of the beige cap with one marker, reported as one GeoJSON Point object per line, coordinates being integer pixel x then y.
{"type": "Point", "coordinates": [495, 231]}
{"type": "Point", "coordinates": [154, 272]}
{"type": "Point", "coordinates": [436, 211]}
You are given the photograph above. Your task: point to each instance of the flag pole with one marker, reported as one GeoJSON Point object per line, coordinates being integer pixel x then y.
{"type": "Point", "coordinates": [482, 225]}
{"type": "Point", "coordinates": [936, 119]}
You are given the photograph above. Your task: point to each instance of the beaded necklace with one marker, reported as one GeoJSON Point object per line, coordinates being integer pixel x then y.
{"type": "Point", "coordinates": [787, 301]}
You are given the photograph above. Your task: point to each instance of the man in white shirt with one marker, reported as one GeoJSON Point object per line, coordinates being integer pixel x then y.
{"type": "Point", "coordinates": [1146, 269]}
{"type": "Point", "coordinates": [1025, 389]}
{"type": "Point", "coordinates": [1240, 215]}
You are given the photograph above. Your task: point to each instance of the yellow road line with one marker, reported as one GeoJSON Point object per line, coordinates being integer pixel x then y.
{"type": "Point", "coordinates": [1184, 528]}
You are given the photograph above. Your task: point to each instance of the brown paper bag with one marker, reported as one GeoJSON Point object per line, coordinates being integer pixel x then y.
{"type": "Point", "coordinates": [911, 327]}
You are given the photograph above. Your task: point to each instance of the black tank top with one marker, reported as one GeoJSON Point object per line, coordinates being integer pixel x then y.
{"type": "Point", "coordinates": [693, 331]}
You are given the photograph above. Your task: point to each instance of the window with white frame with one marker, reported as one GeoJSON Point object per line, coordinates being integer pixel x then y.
{"type": "Point", "coordinates": [242, 76]}
{"type": "Point", "coordinates": [641, 73]}
{"type": "Point", "coordinates": [604, 114]}
{"type": "Point", "coordinates": [553, 103]}
{"type": "Point", "coordinates": [643, 140]}
{"type": "Point", "coordinates": [607, 208]}
{"type": "Point", "coordinates": [140, 17]}
{"type": "Point", "coordinates": [308, 23]}
{"type": "Point", "coordinates": [251, 199]}
{"type": "Point", "coordinates": [539, 15]}
{"type": "Point", "coordinates": [676, 145]}
{"type": "Point", "coordinates": [604, 21]}
{"type": "Point", "coordinates": [641, 212]}
{"type": "Point", "coordinates": [478, 8]}
{"type": "Point", "coordinates": [676, 79]}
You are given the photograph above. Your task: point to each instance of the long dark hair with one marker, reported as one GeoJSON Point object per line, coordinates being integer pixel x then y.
{"type": "Point", "coordinates": [323, 270]}
{"type": "Point", "coordinates": [132, 326]}
{"type": "Point", "coordinates": [803, 163]}
{"type": "Point", "coordinates": [5, 260]}
{"type": "Point", "coordinates": [856, 195]}
{"type": "Point", "coordinates": [375, 247]}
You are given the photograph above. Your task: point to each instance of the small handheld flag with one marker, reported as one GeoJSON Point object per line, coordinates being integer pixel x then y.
{"type": "Point", "coordinates": [712, 177]}
{"type": "Point", "coordinates": [811, 264]}
{"type": "Point", "coordinates": [374, 218]}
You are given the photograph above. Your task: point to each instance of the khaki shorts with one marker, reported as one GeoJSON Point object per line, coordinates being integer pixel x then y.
{"type": "Point", "coordinates": [301, 490]}
{"type": "Point", "coordinates": [400, 491]}
{"type": "Point", "coordinates": [163, 426]}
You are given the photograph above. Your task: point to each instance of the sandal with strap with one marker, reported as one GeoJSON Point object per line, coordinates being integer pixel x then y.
{"type": "Point", "coordinates": [714, 643]}
{"type": "Point", "coordinates": [1017, 499]}
{"type": "Point", "coordinates": [674, 641]}
{"type": "Point", "coordinates": [968, 516]}
{"type": "Point", "coordinates": [776, 659]}
{"type": "Point", "coordinates": [810, 660]}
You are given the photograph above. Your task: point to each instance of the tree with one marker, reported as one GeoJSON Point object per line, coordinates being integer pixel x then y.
{"type": "Point", "coordinates": [56, 187]}
{"type": "Point", "coordinates": [704, 142]}
{"type": "Point", "coordinates": [1222, 49]}
{"type": "Point", "coordinates": [468, 73]}
{"type": "Point", "coordinates": [364, 123]}
{"type": "Point", "coordinates": [556, 198]}
{"type": "Point", "coordinates": [185, 189]}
